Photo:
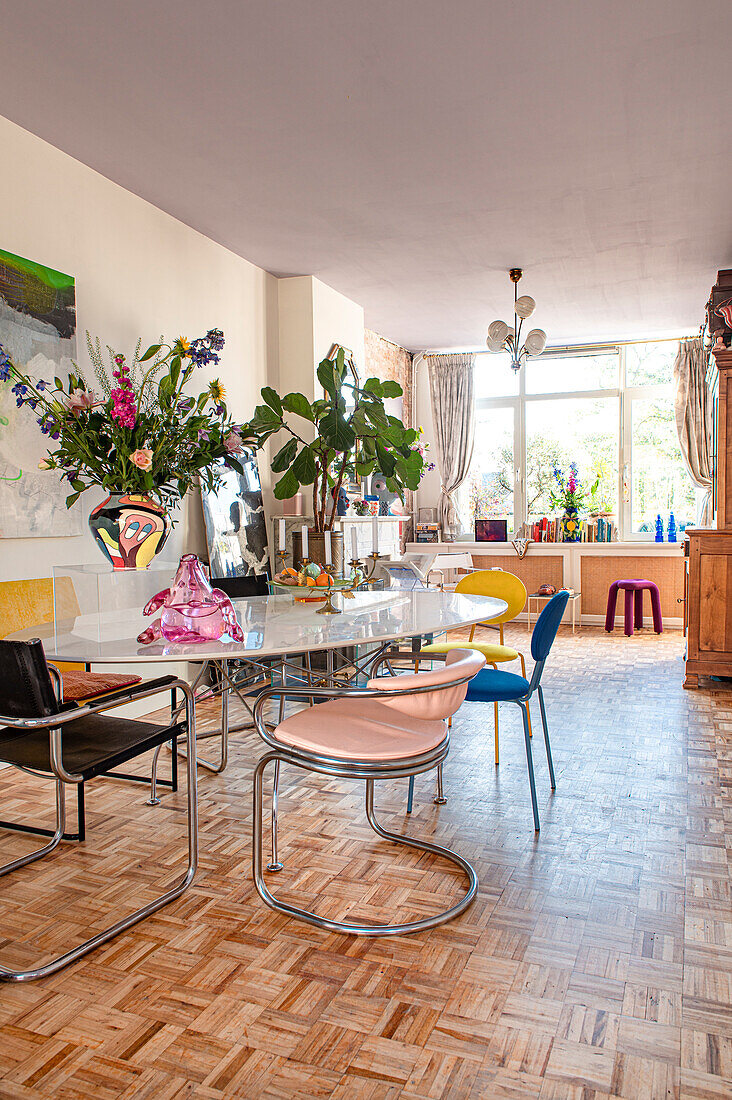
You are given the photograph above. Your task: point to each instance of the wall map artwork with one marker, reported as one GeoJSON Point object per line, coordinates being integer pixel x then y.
{"type": "Point", "coordinates": [38, 330]}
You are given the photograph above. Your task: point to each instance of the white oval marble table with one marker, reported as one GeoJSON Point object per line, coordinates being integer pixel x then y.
{"type": "Point", "coordinates": [272, 625]}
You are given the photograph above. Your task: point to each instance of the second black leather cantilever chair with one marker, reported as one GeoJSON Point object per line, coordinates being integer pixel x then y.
{"type": "Point", "coordinates": [70, 744]}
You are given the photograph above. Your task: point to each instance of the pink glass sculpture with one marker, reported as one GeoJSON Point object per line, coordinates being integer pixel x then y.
{"type": "Point", "coordinates": [193, 611]}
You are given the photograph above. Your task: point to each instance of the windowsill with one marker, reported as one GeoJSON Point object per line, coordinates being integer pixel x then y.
{"type": "Point", "coordinates": [640, 548]}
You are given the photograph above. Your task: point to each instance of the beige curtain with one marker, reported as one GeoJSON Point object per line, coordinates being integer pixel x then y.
{"type": "Point", "coordinates": [452, 389]}
{"type": "Point", "coordinates": [694, 418]}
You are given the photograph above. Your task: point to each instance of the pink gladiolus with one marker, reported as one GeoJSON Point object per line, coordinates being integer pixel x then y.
{"type": "Point", "coordinates": [142, 458]}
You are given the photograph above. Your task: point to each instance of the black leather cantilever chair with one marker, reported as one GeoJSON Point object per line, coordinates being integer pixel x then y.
{"type": "Point", "coordinates": [71, 744]}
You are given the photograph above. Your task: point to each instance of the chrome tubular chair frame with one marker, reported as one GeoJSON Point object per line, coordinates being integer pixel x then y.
{"type": "Point", "coordinates": [345, 769]}
{"type": "Point", "coordinates": [54, 724]}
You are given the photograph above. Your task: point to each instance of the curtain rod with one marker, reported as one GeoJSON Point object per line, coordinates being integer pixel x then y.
{"type": "Point", "coordinates": [563, 348]}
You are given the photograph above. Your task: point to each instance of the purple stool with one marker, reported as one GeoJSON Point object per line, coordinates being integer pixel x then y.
{"type": "Point", "coordinates": [633, 594]}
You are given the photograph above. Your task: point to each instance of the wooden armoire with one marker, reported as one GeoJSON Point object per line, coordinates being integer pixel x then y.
{"type": "Point", "coordinates": [708, 586]}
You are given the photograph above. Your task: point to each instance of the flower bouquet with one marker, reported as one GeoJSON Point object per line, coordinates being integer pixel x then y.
{"type": "Point", "coordinates": [135, 432]}
{"type": "Point", "coordinates": [570, 496]}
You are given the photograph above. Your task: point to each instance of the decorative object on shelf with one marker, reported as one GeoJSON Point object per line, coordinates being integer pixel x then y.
{"type": "Point", "coordinates": [671, 528]}
{"type": "Point", "coordinates": [570, 497]}
{"type": "Point", "coordinates": [193, 611]}
{"type": "Point", "coordinates": [130, 529]}
{"type": "Point", "coordinates": [659, 529]}
{"type": "Point", "coordinates": [38, 333]}
{"type": "Point", "coordinates": [353, 435]}
{"type": "Point", "coordinates": [384, 497]}
{"type": "Point", "coordinates": [501, 337]}
{"type": "Point", "coordinates": [361, 507]}
{"type": "Point", "coordinates": [139, 433]}
{"type": "Point", "coordinates": [342, 502]}
{"type": "Point", "coordinates": [491, 530]}
{"type": "Point", "coordinates": [521, 547]}
{"type": "Point", "coordinates": [546, 589]}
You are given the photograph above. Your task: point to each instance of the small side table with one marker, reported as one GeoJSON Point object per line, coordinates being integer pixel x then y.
{"type": "Point", "coordinates": [574, 600]}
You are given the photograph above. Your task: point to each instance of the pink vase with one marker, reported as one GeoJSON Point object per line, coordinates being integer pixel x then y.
{"type": "Point", "coordinates": [193, 611]}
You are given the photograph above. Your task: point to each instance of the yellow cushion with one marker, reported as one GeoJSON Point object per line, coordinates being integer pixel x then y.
{"type": "Point", "coordinates": [490, 652]}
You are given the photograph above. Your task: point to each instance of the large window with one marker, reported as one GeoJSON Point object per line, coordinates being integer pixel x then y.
{"type": "Point", "coordinates": [608, 410]}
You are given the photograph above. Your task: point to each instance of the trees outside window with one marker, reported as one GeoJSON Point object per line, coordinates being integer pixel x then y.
{"type": "Point", "coordinates": [610, 411]}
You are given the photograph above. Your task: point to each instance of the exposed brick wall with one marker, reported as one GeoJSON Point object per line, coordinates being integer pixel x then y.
{"type": "Point", "coordinates": [385, 360]}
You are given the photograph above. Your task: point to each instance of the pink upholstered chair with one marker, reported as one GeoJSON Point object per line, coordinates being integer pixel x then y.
{"type": "Point", "coordinates": [394, 727]}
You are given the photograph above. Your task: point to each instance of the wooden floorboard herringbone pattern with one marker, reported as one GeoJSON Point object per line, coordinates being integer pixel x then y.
{"type": "Point", "coordinates": [596, 961]}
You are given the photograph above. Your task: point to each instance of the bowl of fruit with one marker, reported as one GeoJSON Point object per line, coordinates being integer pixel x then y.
{"type": "Point", "coordinates": [311, 583]}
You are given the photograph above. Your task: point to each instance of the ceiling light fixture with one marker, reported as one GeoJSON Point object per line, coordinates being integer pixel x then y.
{"type": "Point", "coordinates": [502, 338]}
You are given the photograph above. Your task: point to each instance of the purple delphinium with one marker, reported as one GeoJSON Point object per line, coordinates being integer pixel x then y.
{"type": "Point", "coordinates": [6, 366]}
{"type": "Point", "coordinates": [203, 351]}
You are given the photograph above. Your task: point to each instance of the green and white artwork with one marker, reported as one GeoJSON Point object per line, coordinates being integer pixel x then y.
{"type": "Point", "coordinates": [38, 330]}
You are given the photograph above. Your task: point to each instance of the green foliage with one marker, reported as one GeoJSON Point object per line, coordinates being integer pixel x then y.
{"type": "Point", "coordinates": [354, 436]}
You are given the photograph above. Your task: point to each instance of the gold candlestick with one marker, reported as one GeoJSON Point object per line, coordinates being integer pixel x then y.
{"type": "Point", "coordinates": [328, 608]}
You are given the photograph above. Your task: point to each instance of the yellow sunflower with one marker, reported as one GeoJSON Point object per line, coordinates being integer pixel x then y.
{"type": "Point", "coordinates": [184, 345]}
{"type": "Point", "coordinates": [217, 390]}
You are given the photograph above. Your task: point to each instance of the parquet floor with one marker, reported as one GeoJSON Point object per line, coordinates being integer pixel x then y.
{"type": "Point", "coordinates": [595, 963]}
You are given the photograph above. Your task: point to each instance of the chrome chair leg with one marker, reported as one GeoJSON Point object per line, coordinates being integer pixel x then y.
{"type": "Point", "coordinates": [410, 795]}
{"type": "Point", "coordinates": [439, 799]}
{"type": "Point", "coordinates": [546, 739]}
{"type": "Point", "coordinates": [530, 763]}
{"type": "Point", "coordinates": [341, 926]}
{"type": "Point", "coordinates": [153, 800]}
{"type": "Point", "coordinates": [55, 840]}
{"type": "Point", "coordinates": [274, 864]}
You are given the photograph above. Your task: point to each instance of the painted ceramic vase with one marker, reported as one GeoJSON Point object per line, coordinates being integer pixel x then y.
{"type": "Point", "coordinates": [571, 529]}
{"type": "Point", "coordinates": [130, 529]}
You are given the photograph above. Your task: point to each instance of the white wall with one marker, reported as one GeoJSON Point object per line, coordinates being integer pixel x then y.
{"type": "Point", "coordinates": [428, 494]}
{"type": "Point", "coordinates": [138, 272]}
{"type": "Point", "coordinates": [313, 317]}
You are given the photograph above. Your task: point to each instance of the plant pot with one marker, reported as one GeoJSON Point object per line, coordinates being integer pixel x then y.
{"type": "Point", "coordinates": [316, 549]}
{"type": "Point", "coordinates": [130, 529]}
{"type": "Point", "coordinates": [571, 529]}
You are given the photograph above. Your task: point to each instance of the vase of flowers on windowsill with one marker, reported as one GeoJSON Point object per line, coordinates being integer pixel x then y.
{"type": "Point", "coordinates": [138, 435]}
{"type": "Point", "coordinates": [571, 497]}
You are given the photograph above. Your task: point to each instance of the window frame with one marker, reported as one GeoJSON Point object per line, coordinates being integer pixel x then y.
{"type": "Point", "coordinates": [625, 396]}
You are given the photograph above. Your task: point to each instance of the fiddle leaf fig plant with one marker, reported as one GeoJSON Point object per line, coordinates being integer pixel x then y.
{"type": "Point", "coordinates": [351, 437]}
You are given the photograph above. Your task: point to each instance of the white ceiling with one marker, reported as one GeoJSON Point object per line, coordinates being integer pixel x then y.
{"type": "Point", "coordinates": [408, 152]}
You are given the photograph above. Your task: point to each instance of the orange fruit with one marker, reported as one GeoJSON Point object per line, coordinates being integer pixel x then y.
{"type": "Point", "coordinates": [290, 570]}
{"type": "Point", "coordinates": [322, 580]}
{"type": "Point", "coordinates": [310, 582]}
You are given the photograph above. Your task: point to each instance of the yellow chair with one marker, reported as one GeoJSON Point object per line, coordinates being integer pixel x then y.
{"type": "Point", "coordinates": [502, 586]}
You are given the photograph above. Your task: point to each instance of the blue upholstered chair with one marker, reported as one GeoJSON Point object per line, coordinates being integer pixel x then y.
{"type": "Point", "coordinates": [497, 686]}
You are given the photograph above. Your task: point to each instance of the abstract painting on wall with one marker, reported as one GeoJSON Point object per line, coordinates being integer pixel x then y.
{"type": "Point", "coordinates": [38, 330]}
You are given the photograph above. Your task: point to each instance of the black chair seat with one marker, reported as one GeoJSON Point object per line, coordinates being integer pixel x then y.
{"type": "Point", "coordinates": [90, 745]}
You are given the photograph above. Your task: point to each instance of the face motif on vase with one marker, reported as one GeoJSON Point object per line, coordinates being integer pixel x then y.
{"type": "Point", "coordinates": [132, 532]}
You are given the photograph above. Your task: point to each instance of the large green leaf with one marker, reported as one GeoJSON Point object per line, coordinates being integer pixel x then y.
{"type": "Point", "coordinates": [286, 487]}
{"type": "Point", "coordinates": [387, 463]}
{"type": "Point", "coordinates": [265, 419]}
{"type": "Point", "coordinates": [390, 388]}
{"type": "Point", "coordinates": [373, 386]}
{"type": "Point", "coordinates": [272, 400]}
{"type": "Point", "coordinates": [329, 377]}
{"type": "Point", "coordinates": [297, 403]}
{"type": "Point", "coordinates": [304, 467]}
{"type": "Point", "coordinates": [284, 456]}
{"type": "Point", "coordinates": [337, 432]}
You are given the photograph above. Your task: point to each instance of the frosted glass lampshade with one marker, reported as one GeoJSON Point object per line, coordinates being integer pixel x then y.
{"type": "Point", "coordinates": [524, 306]}
{"type": "Point", "coordinates": [497, 333]}
{"type": "Point", "coordinates": [535, 341]}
